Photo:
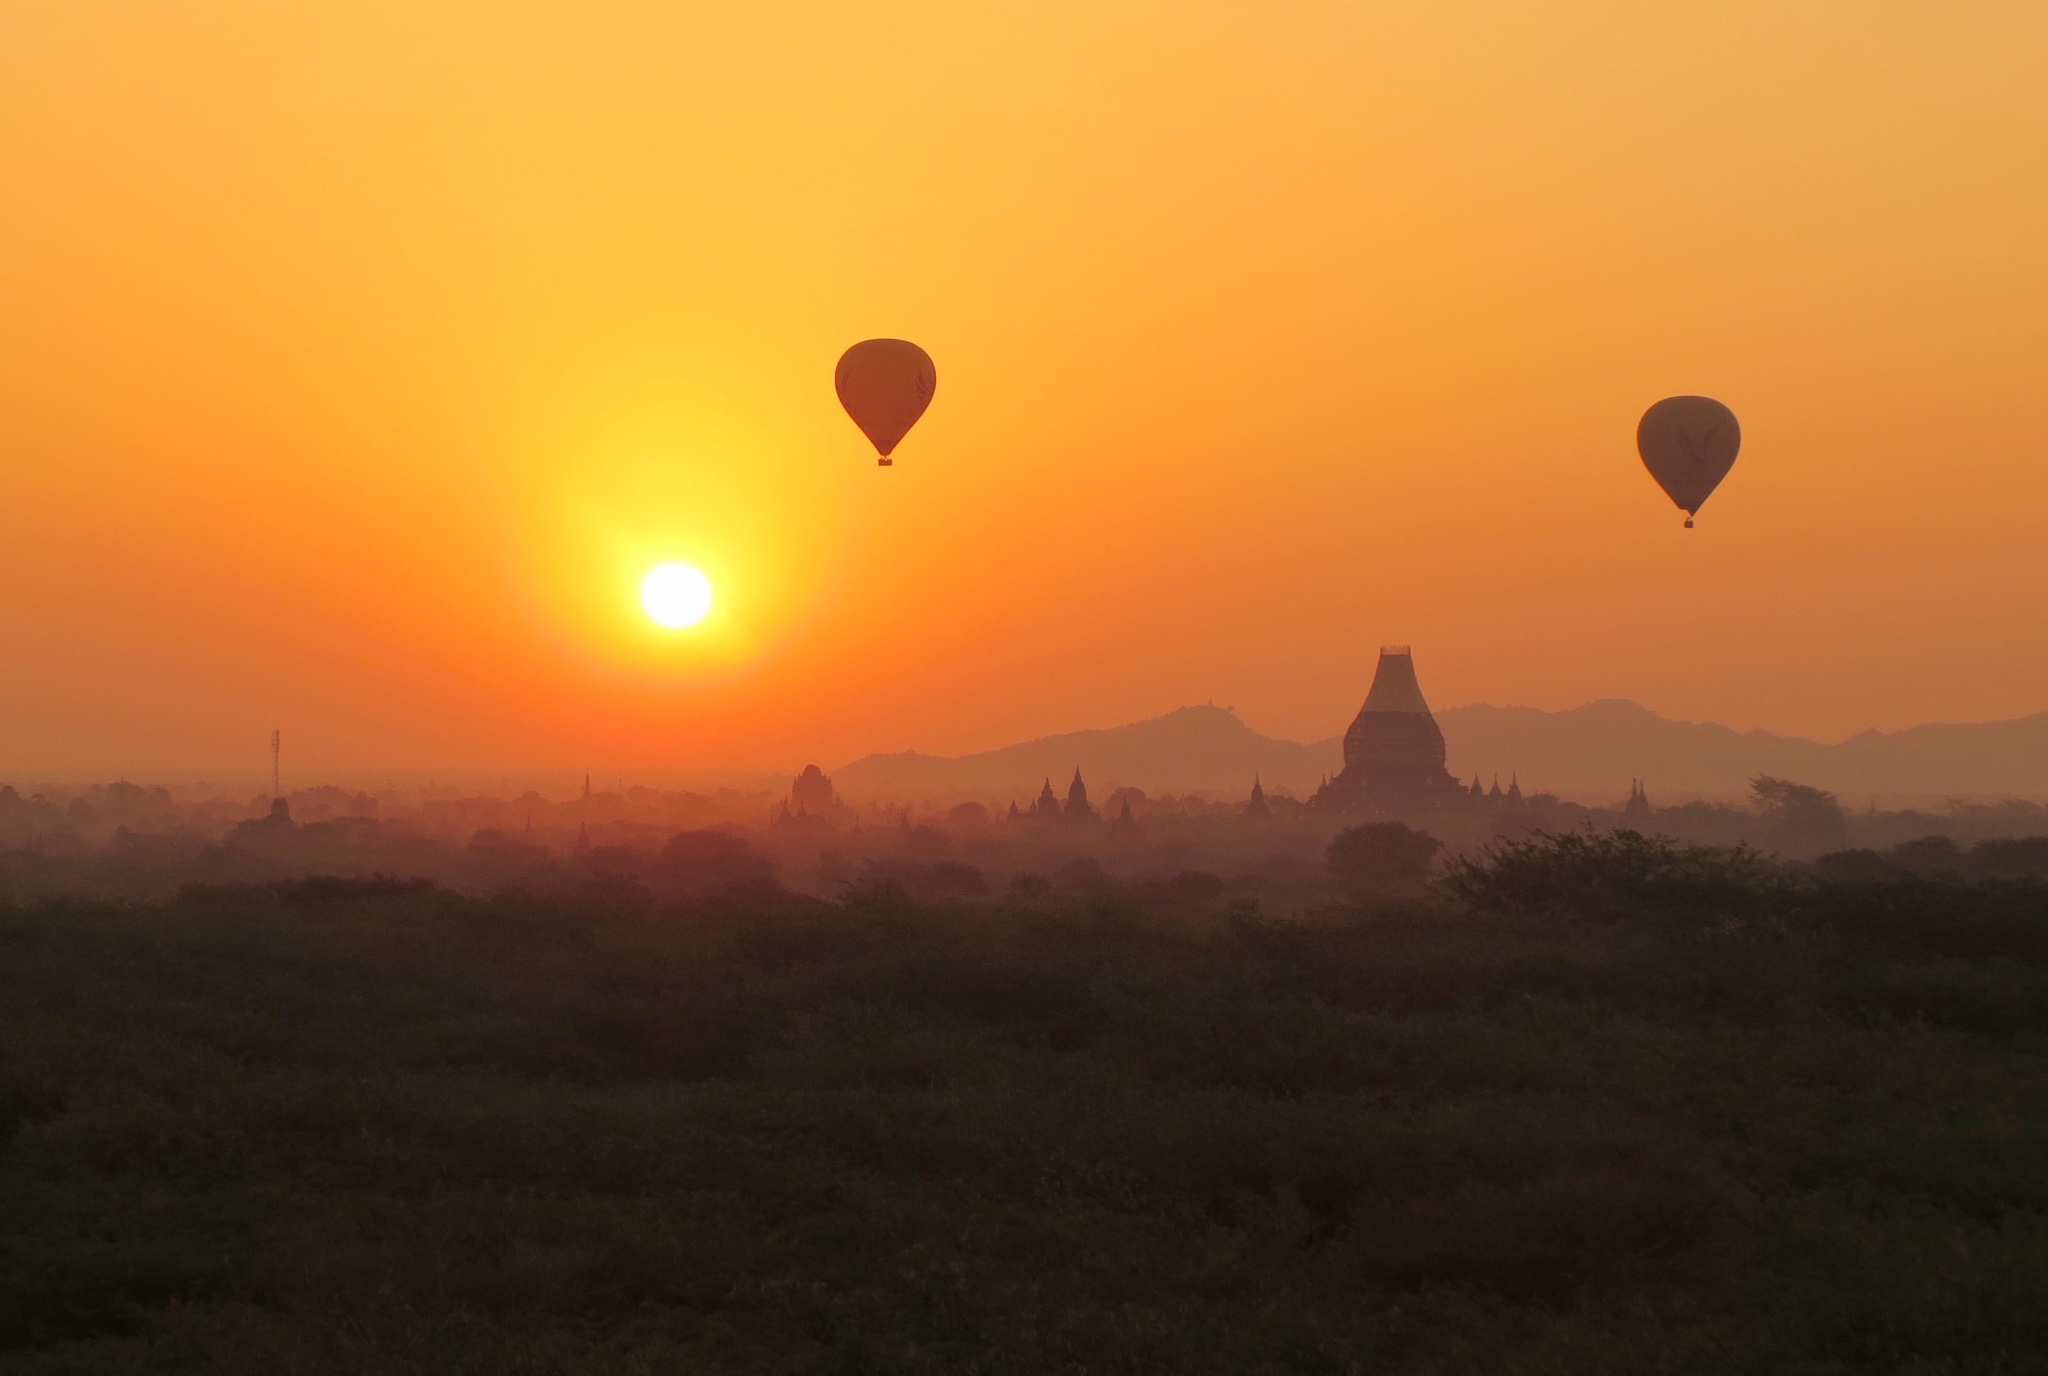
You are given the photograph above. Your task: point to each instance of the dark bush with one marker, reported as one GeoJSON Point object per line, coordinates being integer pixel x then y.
{"type": "Point", "coordinates": [1537, 1242]}
{"type": "Point", "coordinates": [23, 1102]}
{"type": "Point", "coordinates": [926, 843]}
{"type": "Point", "coordinates": [1189, 887]}
{"type": "Point", "coordinates": [1085, 876]}
{"type": "Point", "coordinates": [1024, 1006]}
{"type": "Point", "coordinates": [1611, 874]}
{"type": "Point", "coordinates": [712, 862]}
{"type": "Point", "coordinates": [1984, 919]}
{"type": "Point", "coordinates": [2021, 857]}
{"type": "Point", "coordinates": [949, 879]}
{"type": "Point", "coordinates": [773, 1133]}
{"type": "Point", "coordinates": [1929, 855]}
{"type": "Point", "coordinates": [495, 842]}
{"type": "Point", "coordinates": [314, 888]}
{"type": "Point", "coordinates": [1855, 866]}
{"type": "Point", "coordinates": [1806, 816]}
{"type": "Point", "coordinates": [1385, 857]}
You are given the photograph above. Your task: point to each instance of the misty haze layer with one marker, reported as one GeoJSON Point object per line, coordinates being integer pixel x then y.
{"type": "Point", "coordinates": [1590, 753]}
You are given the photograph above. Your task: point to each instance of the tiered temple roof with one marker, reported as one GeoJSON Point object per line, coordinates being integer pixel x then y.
{"type": "Point", "coordinates": [1394, 751]}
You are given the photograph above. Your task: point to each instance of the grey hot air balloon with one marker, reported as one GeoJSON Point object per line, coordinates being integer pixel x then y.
{"type": "Point", "coordinates": [885, 384]}
{"type": "Point", "coordinates": [1688, 444]}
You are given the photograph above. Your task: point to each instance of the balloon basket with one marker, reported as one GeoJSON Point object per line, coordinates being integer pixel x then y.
{"type": "Point", "coordinates": [1688, 523]}
{"type": "Point", "coordinates": [890, 463]}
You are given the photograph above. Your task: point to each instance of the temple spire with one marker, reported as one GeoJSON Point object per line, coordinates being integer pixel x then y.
{"type": "Point", "coordinates": [1078, 806]}
{"type": "Point", "coordinates": [1048, 804]}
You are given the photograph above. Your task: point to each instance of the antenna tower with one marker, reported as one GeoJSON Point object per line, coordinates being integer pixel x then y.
{"type": "Point", "coordinates": [276, 739]}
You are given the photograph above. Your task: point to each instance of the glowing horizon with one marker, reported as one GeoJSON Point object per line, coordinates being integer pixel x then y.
{"type": "Point", "coordinates": [357, 362]}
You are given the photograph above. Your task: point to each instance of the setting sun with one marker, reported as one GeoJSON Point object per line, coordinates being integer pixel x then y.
{"type": "Point", "coordinates": [676, 595]}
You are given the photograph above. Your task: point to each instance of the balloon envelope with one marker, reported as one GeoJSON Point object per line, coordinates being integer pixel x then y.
{"type": "Point", "coordinates": [885, 384]}
{"type": "Point", "coordinates": [1688, 444]}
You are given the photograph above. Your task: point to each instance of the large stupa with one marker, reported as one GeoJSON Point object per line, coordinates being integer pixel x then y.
{"type": "Point", "coordinates": [1394, 752]}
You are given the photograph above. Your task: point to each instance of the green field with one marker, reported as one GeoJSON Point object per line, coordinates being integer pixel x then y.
{"type": "Point", "coordinates": [1697, 1118]}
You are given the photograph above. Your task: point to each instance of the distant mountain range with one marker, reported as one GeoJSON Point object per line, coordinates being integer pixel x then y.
{"type": "Point", "coordinates": [1193, 748]}
{"type": "Point", "coordinates": [1588, 753]}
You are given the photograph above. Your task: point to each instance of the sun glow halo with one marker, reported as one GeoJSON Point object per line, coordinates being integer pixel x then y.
{"type": "Point", "coordinates": [677, 596]}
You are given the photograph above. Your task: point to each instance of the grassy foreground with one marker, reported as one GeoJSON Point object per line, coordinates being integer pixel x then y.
{"type": "Point", "coordinates": [335, 1127]}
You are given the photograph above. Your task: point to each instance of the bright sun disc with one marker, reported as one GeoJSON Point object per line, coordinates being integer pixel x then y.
{"type": "Point", "coordinates": [676, 595]}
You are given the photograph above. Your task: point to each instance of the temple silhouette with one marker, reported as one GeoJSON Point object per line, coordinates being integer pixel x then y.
{"type": "Point", "coordinates": [812, 804]}
{"type": "Point", "coordinates": [1047, 808]}
{"type": "Point", "coordinates": [1394, 751]}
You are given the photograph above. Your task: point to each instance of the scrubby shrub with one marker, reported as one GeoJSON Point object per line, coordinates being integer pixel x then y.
{"type": "Point", "coordinates": [1940, 857]}
{"type": "Point", "coordinates": [2023, 857]}
{"type": "Point", "coordinates": [1191, 886]}
{"type": "Point", "coordinates": [1806, 816]}
{"type": "Point", "coordinates": [1084, 877]}
{"type": "Point", "coordinates": [1855, 867]}
{"type": "Point", "coordinates": [951, 879]}
{"type": "Point", "coordinates": [948, 879]}
{"type": "Point", "coordinates": [348, 1128]}
{"type": "Point", "coordinates": [1386, 857]}
{"type": "Point", "coordinates": [1929, 855]}
{"type": "Point", "coordinates": [24, 1101]}
{"type": "Point", "coordinates": [314, 888]}
{"type": "Point", "coordinates": [1610, 874]}
{"type": "Point", "coordinates": [710, 862]}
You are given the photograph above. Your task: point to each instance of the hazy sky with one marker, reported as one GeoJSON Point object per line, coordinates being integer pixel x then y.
{"type": "Point", "coordinates": [357, 357]}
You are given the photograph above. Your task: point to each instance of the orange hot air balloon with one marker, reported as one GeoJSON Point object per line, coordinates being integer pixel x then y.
{"type": "Point", "coordinates": [885, 384]}
{"type": "Point", "coordinates": [1688, 444]}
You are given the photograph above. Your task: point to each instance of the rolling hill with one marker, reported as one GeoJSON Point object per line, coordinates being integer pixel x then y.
{"type": "Point", "coordinates": [1588, 753]}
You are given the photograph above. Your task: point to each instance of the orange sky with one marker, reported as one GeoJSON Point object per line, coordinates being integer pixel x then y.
{"type": "Point", "coordinates": [358, 356]}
